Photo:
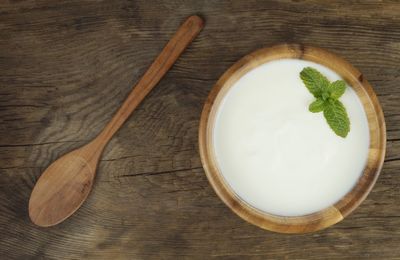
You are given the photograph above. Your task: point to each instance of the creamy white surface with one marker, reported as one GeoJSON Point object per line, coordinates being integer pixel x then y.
{"type": "Point", "coordinates": [278, 156]}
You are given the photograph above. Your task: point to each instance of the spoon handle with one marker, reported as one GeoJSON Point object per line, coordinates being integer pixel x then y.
{"type": "Point", "coordinates": [171, 52]}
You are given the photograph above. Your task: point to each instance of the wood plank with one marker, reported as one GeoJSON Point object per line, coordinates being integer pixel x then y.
{"type": "Point", "coordinates": [151, 199]}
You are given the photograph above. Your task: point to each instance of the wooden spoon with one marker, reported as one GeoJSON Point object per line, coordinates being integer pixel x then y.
{"type": "Point", "coordinates": [66, 183]}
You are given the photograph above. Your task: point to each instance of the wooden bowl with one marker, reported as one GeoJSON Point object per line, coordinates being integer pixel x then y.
{"type": "Point", "coordinates": [352, 199]}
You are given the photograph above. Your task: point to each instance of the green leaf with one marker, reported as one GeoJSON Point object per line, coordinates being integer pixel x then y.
{"type": "Point", "coordinates": [317, 106]}
{"type": "Point", "coordinates": [315, 82]}
{"type": "Point", "coordinates": [336, 116]}
{"type": "Point", "coordinates": [337, 88]}
{"type": "Point", "coordinates": [325, 95]}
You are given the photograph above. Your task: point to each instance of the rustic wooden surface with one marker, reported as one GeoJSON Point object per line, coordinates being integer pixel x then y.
{"type": "Point", "coordinates": [65, 66]}
{"type": "Point", "coordinates": [66, 183]}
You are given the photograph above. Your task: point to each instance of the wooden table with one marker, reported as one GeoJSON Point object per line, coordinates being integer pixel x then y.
{"type": "Point", "coordinates": [67, 65]}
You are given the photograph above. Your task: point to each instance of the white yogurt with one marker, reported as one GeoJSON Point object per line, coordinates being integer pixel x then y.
{"type": "Point", "coordinates": [275, 154]}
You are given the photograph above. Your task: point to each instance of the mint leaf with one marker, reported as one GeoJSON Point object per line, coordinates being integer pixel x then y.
{"type": "Point", "coordinates": [327, 95]}
{"type": "Point", "coordinates": [314, 81]}
{"type": "Point", "coordinates": [336, 115]}
{"type": "Point", "coordinates": [317, 106]}
{"type": "Point", "coordinates": [337, 88]}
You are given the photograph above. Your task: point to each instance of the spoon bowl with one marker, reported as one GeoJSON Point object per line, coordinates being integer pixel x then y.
{"type": "Point", "coordinates": [67, 183]}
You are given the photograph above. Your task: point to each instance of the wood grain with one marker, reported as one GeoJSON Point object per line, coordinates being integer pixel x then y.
{"type": "Point", "coordinates": [67, 65]}
{"type": "Point", "coordinates": [376, 154]}
{"type": "Point", "coordinates": [66, 183]}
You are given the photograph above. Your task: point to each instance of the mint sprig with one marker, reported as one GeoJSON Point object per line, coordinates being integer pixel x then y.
{"type": "Point", "coordinates": [327, 96]}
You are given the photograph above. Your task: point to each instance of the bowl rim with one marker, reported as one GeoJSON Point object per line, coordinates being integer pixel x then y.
{"type": "Point", "coordinates": [377, 130]}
